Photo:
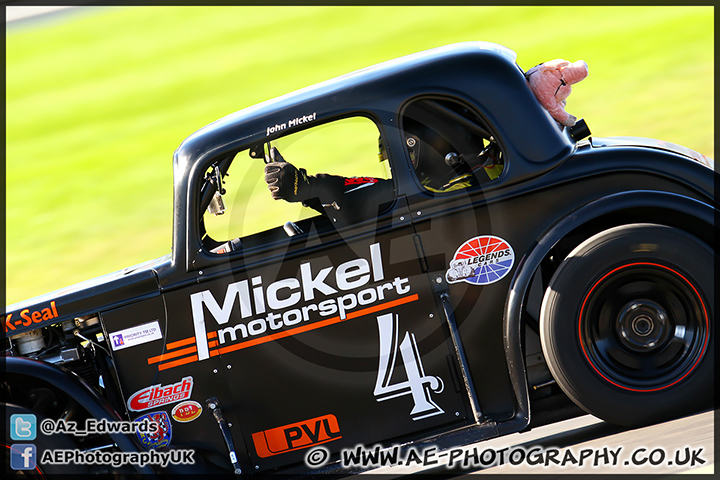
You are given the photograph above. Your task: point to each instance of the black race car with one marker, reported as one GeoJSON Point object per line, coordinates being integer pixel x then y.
{"type": "Point", "coordinates": [564, 274]}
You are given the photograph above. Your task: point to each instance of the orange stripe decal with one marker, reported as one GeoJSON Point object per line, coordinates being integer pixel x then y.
{"type": "Point", "coordinates": [316, 325]}
{"type": "Point", "coordinates": [269, 338]}
{"type": "Point", "coordinates": [182, 361]}
{"type": "Point", "coordinates": [187, 341]}
{"type": "Point", "coordinates": [382, 306]}
{"type": "Point", "coordinates": [175, 354]}
{"type": "Point", "coordinates": [180, 343]}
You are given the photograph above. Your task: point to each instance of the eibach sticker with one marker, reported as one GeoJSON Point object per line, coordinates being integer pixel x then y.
{"type": "Point", "coordinates": [156, 395]}
{"type": "Point", "coordinates": [481, 261]}
{"type": "Point", "coordinates": [162, 436]}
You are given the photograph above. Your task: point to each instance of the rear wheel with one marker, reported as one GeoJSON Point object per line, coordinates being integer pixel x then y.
{"type": "Point", "coordinates": [626, 324]}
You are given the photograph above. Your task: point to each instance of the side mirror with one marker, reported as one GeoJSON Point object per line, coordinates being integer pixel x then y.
{"type": "Point", "coordinates": [579, 131]}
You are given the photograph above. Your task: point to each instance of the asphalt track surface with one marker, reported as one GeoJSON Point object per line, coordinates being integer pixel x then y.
{"type": "Point", "coordinates": [681, 446]}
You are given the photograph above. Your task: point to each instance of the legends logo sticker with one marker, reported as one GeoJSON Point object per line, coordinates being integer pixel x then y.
{"type": "Point", "coordinates": [481, 261]}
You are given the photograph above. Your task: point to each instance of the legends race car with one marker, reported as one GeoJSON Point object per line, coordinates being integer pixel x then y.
{"type": "Point", "coordinates": [566, 274]}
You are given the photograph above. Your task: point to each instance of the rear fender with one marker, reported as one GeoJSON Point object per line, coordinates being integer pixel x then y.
{"type": "Point", "coordinates": [74, 387]}
{"type": "Point", "coordinates": [691, 209]}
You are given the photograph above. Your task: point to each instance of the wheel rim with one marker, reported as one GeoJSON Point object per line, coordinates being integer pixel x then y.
{"type": "Point", "coordinates": [643, 327]}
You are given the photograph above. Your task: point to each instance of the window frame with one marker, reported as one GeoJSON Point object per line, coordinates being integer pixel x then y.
{"type": "Point", "coordinates": [486, 128]}
{"type": "Point", "coordinates": [276, 235]}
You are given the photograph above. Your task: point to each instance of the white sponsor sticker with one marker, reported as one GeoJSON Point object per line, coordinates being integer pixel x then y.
{"type": "Point", "coordinates": [133, 336]}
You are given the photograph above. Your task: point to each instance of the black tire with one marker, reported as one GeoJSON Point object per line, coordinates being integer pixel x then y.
{"type": "Point", "coordinates": [42, 443]}
{"type": "Point", "coordinates": [626, 324]}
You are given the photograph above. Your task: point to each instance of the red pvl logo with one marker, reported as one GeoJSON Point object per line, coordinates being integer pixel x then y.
{"type": "Point", "coordinates": [296, 436]}
{"type": "Point", "coordinates": [160, 395]}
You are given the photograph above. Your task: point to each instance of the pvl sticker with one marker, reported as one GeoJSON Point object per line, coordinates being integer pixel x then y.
{"type": "Point", "coordinates": [481, 261]}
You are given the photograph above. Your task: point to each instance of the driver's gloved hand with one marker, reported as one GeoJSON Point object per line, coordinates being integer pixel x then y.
{"type": "Point", "coordinates": [286, 182]}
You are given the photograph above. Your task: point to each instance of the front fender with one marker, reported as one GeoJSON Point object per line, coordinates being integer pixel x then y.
{"type": "Point", "coordinates": [73, 386]}
{"type": "Point", "coordinates": [676, 204]}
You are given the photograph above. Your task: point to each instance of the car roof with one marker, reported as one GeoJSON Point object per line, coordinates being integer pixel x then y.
{"type": "Point", "coordinates": [355, 90]}
{"type": "Point", "coordinates": [482, 75]}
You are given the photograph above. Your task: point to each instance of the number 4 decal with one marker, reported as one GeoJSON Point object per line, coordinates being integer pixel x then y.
{"type": "Point", "coordinates": [418, 385]}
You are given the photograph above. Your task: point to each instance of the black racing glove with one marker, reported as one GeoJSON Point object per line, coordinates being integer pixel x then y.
{"type": "Point", "coordinates": [286, 182]}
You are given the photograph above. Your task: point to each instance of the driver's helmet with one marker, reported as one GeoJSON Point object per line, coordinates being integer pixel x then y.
{"type": "Point", "coordinates": [427, 150]}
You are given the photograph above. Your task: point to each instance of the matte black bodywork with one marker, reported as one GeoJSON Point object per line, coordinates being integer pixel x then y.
{"type": "Point", "coordinates": [553, 192]}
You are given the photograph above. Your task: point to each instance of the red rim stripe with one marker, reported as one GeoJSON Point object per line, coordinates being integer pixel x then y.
{"type": "Point", "coordinates": [587, 357]}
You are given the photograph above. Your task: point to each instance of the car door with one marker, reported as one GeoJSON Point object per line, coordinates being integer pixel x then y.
{"type": "Point", "coordinates": [470, 244]}
{"type": "Point", "coordinates": [326, 339]}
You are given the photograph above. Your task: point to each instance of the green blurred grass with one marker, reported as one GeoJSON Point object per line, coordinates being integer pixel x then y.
{"type": "Point", "coordinates": [97, 102]}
